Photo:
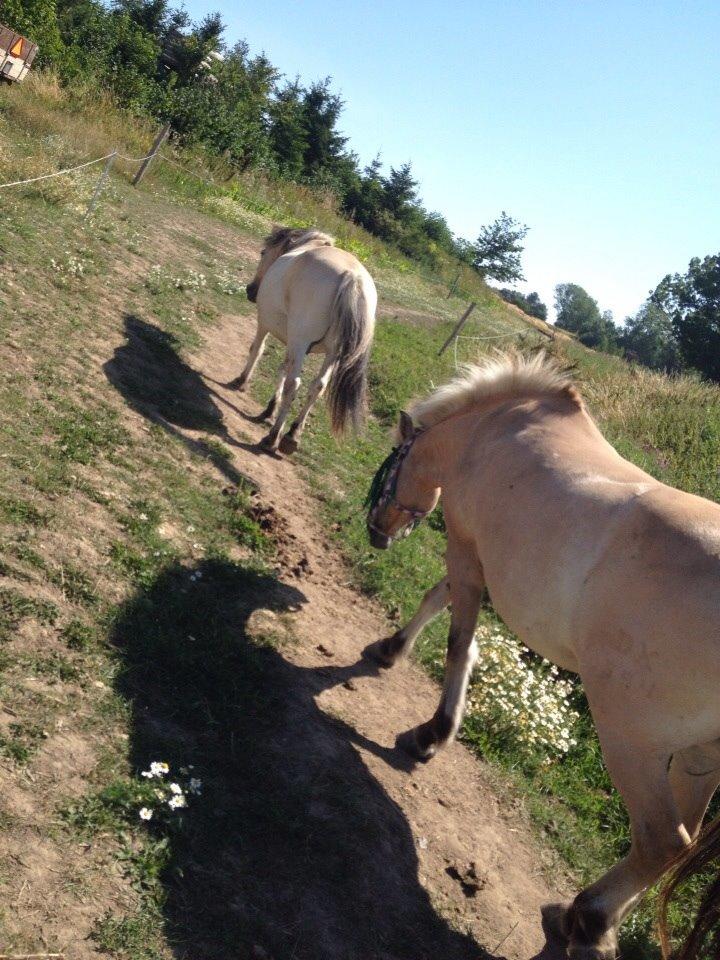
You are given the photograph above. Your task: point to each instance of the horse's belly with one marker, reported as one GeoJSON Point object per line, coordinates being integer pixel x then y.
{"type": "Point", "coordinates": [540, 618]}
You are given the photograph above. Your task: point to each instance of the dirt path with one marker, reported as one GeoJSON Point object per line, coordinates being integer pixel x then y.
{"type": "Point", "coordinates": [476, 860]}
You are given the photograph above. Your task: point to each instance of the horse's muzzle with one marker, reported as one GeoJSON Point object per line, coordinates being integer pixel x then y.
{"type": "Point", "coordinates": [251, 290]}
{"type": "Point", "coordinates": [379, 540]}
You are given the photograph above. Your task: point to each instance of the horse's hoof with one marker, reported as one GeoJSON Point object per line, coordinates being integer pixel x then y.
{"type": "Point", "coordinates": [582, 951]}
{"type": "Point", "coordinates": [408, 742]}
{"type": "Point", "coordinates": [269, 444]}
{"type": "Point", "coordinates": [555, 918]}
{"type": "Point", "coordinates": [288, 444]}
{"type": "Point", "coordinates": [377, 651]}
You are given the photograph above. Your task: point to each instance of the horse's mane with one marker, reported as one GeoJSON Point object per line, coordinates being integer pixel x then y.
{"type": "Point", "coordinates": [502, 375]}
{"type": "Point", "coordinates": [290, 237]}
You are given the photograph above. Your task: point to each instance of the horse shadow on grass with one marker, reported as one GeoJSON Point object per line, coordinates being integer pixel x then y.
{"type": "Point", "coordinates": [156, 382]}
{"type": "Point", "coordinates": [294, 850]}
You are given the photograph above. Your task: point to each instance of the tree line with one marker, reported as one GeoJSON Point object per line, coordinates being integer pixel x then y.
{"type": "Point", "coordinates": [157, 62]}
{"type": "Point", "coordinates": [676, 330]}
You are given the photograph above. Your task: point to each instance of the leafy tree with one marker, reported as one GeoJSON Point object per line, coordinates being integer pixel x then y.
{"type": "Point", "coordinates": [649, 338]}
{"type": "Point", "coordinates": [578, 313]}
{"type": "Point", "coordinates": [498, 249]}
{"type": "Point", "coordinates": [692, 301]}
{"type": "Point", "coordinates": [529, 303]}
{"type": "Point", "coordinates": [228, 113]}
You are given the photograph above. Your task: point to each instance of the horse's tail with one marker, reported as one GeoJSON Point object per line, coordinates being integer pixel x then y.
{"type": "Point", "coordinates": [353, 323]}
{"type": "Point", "coordinates": [704, 938]}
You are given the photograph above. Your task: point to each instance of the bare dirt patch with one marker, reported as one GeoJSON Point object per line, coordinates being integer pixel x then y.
{"type": "Point", "coordinates": [471, 863]}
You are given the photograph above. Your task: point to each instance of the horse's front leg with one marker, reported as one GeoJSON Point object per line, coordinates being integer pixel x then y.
{"type": "Point", "coordinates": [466, 590]}
{"type": "Point", "coordinates": [256, 351]}
{"type": "Point", "coordinates": [291, 385]}
{"type": "Point", "coordinates": [391, 649]}
{"type": "Point", "coordinates": [290, 441]}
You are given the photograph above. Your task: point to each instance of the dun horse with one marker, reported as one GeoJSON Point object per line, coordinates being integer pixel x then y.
{"type": "Point", "coordinates": [596, 566]}
{"type": "Point", "coordinates": [314, 298]}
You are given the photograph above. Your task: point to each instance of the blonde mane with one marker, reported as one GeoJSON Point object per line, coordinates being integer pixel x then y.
{"type": "Point", "coordinates": [503, 375]}
{"type": "Point", "coordinates": [288, 238]}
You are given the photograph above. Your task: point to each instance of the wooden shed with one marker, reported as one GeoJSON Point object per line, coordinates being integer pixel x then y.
{"type": "Point", "coordinates": [16, 55]}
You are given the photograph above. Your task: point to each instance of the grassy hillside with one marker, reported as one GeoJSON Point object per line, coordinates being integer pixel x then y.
{"type": "Point", "coordinates": [108, 536]}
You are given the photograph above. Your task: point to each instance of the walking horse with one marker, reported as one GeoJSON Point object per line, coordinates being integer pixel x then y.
{"type": "Point", "coordinates": [596, 566]}
{"type": "Point", "coordinates": [315, 298]}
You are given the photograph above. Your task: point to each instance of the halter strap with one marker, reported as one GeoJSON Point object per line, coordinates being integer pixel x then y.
{"type": "Point", "coordinates": [384, 485]}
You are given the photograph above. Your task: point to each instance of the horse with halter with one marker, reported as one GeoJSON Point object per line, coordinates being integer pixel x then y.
{"type": "Point", "coordinates": [596, 566]}
{"type": "Point", "coordinates": [315, 298]}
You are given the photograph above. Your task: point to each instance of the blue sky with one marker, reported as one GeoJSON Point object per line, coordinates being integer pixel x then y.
{"type": "Point", "coordinates": [596, 123]}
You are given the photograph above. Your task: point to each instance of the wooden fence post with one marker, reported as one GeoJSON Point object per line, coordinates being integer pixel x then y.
{"type": "Point", "coordinates": [453, 286]}
{"type": "Point", "coordinates": [458, 327]}
{"type": "Point", "coordinates": [159, 141]}
{"type": "Point", "coordinates": [101, 183]}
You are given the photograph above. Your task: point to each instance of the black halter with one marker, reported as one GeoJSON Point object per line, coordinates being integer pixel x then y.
{"type": "Point", "coordinates": [384, 484]}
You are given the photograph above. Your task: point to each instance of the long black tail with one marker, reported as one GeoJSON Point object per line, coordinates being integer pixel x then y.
{"type": "Point", "coordinates": [354, 325]}
{"type": "Point", "coordinates": [703, 941]}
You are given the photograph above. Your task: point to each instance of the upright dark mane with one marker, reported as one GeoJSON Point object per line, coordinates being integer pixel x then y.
{"type": "Point", "coordinates": [288, 237]}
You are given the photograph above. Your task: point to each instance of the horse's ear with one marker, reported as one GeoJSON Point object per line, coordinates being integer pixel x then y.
{"type": "Point", "coordinates": [407, 427]}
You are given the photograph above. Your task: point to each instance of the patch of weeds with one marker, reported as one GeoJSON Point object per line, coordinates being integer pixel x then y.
{"type": "Point", "coordinates": [27, 555]}
{"type": "Point", "coordinates": [22, 742]}
{"type": "Point", "coordinates": [218, 450]}
{"type": "Point", "coordinates": [243, 524]}
{"type": "Point", "coordinates": [79, 636]}
{"type": "Point", "coordinates": [133, 935]}
{"type": "Point", "coordinates": [75, 585]}
{"type": "Point", "coordinates": [85, 431]}
{"type": "Point", "coordinates": [112, 809]}
{"type": "Point", "coordinates": [55, 667]}
{"type": "Point", "coordinates": [139, 566]}
{"type": "Point", "coordinates": [15, 510]}
{"type": "Point", "coordinates": [15, 607]}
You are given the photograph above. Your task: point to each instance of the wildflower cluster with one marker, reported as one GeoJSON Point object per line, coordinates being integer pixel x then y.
{"type": "Point", "coordinates": [190, 280]}
{"type": "Point", "coordinates": [165, 793]}
{"type": "Point", "coordinates": [227, 283]}
{"type": "Point", "coordinates": [71, 266]}
{"type": "Point", "coordinates": [526, 705]}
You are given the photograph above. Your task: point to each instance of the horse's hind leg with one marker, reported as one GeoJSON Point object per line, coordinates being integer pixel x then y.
{"type": "Point", "coordinates": [290, 441]}
{"type": "Point", "coordinates": [256, 351]}
{"type": "Point", "coordinates": [275, 398]}
{"type": "Point", "coordinates": [388, 651]}
{"type": "Point", "coordinates": [694, 778]}
{"type": "Point", "coordinates": [290, 388]}
{"type": "Point", "coordinates": [589, 925]}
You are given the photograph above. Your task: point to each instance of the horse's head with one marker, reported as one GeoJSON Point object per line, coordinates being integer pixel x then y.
{"type": "Point", "coordinates": [280, 241]}
{"type": "Point", "coordinates": [275, 245]}
{"type": "Point", "coordinates": [396, 501]}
